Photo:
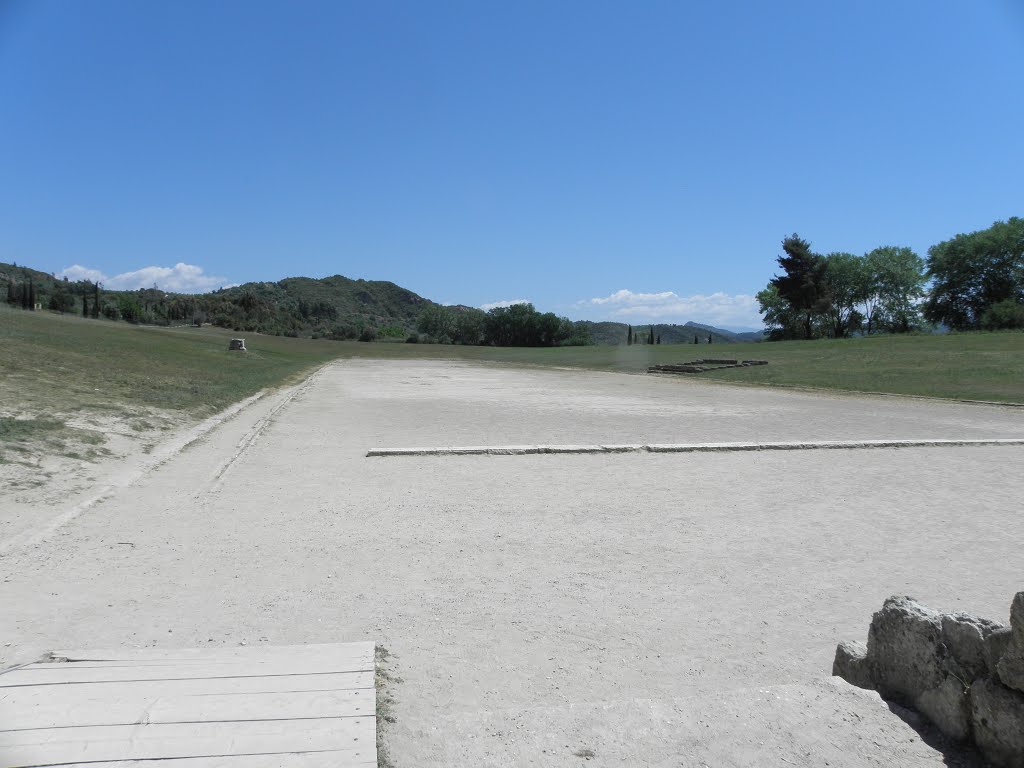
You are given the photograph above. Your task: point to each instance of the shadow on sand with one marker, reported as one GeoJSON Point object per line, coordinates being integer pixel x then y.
{"type": "Point", "coordinates": [953, 753]}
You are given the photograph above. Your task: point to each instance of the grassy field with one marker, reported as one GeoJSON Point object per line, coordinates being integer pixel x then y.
{"type": "Point", "coordinates": [61, 370]}
{"type": "Point", "coordinates": [93, 363]}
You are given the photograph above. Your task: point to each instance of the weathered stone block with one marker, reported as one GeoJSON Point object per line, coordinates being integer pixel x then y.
{"type": "Point", "coordinates": [906, 650]}
{"type": "Point", "coordinates": [997, 719]}
{"type": "Point", "coordinates": [949, 707]}
{"type": "Point", "coordinates": [1011, 667]}
{"type": "Point", "coordinates": [964, 636]}
{"type": "Point", "coordinates": [996, 644]}
{"type": "Point", "coordinates": [851, 664]}
{"type": "Point", "coordinates": [1017, 619]}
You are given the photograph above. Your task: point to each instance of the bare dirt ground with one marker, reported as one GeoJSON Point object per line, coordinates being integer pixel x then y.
{"type": "Point", "coordinates": [625, 609]}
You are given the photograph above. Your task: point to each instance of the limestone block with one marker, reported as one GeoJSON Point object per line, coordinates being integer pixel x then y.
{"type": "Point", "coordinates": [964, 636]}
{"type": "Point", "coordinates": [906, 650]}
{"type": "Point", "coordinates": [1011, 667]}
{"type": "Point", "coordinates": [1017, 619]}
{"type": "Point", "coordinates": [851, 664]}
{"type": "Point", "coordinates": [996, 645]}
{"type": "Point", "coordinates": [949, 707]}
{"type": "Point", "coordinates": [998, 722]}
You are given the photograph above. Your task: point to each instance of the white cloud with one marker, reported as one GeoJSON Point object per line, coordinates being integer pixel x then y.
{"type": "Point", "coordinates": [181, 278]}
{"type": "Point", "coordinates": [78, 272]}
{"type": "Point", "coordinates": [720, 309]}
{"type": "Point", "coordinates": [503, 303]}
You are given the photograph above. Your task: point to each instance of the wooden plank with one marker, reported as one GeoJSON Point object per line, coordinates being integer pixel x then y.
{"type": "Point", "coordinates": [321, 657]}
{"type": "Point", "coordinates": [51, 674]}
{"type": "Point", "coordinates": [41, 707]}
{"type": "Point", "coordinates": [329, 759]}
{"type": "Point", "coordinates": [326, 682]}
{"type": "Point", "coordinates": [222, 653]}
{"type": "Point", "coordinates": [152, 742]}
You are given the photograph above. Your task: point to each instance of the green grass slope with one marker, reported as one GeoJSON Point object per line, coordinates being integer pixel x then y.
{"type": "Point", "coordinates": [67, 363]}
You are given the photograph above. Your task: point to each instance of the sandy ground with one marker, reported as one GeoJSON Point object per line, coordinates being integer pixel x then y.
{"type": "Point", "coordinates": [628, 609]}
{"type": "Point", "coordinates": [96, 449]}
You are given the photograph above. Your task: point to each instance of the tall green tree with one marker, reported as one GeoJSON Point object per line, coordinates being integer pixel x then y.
{"type": "Point", "coordinates": [899, 275]}
{"type": "Point", "coordinates": [844, 274]}
{"type": "Point", "coordinates": [803, 284]}
{"type": "Point", "coordinates": [869, 291]}
{"type": "Point", "coordinates": [779, 318]}
{"type": "Point", "coordinates": [60, 300]}
{"type": "Point", "coordinates": [469, 326]}
{"type": "Point", "coordinates": [438, 322]}
{"type": "Point", "coordinates": [972, 272]}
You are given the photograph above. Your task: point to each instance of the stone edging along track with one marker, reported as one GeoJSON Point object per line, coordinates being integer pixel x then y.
{"type": "Point", "coordinates": [807, 445]}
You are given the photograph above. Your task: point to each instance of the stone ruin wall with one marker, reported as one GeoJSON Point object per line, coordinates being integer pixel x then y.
{"type": "Point", "coordinates": [965, 674]}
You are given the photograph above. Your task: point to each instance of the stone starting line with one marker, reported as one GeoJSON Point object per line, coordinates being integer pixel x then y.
{"type": "Point", "coordinates": [802, 445]}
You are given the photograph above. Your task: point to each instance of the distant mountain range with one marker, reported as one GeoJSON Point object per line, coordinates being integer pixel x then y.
{"type": "Point", "coordinates": [615, 333]}
{"type": "Point", "coordinates": [335, 307]}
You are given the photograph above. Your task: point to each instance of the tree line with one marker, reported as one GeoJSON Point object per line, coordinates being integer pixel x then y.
{"type": "Point", "coordinates": [973, 281]}
{"type": "Point", "coordinates": [519, 325]}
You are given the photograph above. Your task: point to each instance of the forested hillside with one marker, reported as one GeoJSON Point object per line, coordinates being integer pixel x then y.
{"type": "Point", "coordinates": [340, 308]}
{"type": "Point", "coordinates": [334, 307]}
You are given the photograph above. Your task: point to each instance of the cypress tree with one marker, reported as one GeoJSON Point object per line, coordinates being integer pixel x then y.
{"type": "Point", "coordinates": [85, 306]}
{"type": "Point", "coordinates": [804, 286]}
{"type": "Point", "coordinates": [95, 301]}
{"type": "Point", "coordinates": [31, 294]}
{"type": "Point", "coordinates": [695, 341]}
{"type": "Point", "coordinates": [658, 340]}
{"type": "Point", "coordinates": [650, 337]}
{"type": "Point", "coordinates": [629, 335]}
{"type": "Point", "coordinates": [709, 338]}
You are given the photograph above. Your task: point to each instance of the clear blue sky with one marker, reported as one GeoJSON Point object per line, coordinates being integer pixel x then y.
{"type": "Point", "coordinates": [484, 151]}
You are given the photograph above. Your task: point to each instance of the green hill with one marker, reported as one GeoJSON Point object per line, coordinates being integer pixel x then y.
{"type": "Point", "coordinates": [333, 307]}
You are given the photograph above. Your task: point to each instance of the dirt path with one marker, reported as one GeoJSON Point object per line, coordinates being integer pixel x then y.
{"type": "Point", "coordinates": [639, 609]}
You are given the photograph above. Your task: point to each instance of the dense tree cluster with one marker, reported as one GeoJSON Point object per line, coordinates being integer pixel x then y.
{"type": "Point", "coordinates": [841, 294]}
{"type": "Point", "coordinates": [519, 325]}
{"type": "Point", "coordinates": [973, 281]}
{"type": "Point", "coordinates": [978, 278]}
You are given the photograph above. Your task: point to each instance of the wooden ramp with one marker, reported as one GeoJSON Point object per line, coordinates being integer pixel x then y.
{"type": "Point", "coordinates": [248, 707]}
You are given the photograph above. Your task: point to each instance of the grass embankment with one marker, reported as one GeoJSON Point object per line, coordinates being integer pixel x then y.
{"type": "Point", "coordinates": [64, 368]}
{"type": "Point", "coordinates": [71, 362]}
{"type": "Point", "coordinates": [971, 366]}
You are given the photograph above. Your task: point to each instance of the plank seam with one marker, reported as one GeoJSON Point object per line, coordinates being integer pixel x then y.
{"type": "Point", "coordinates": [194, 757]}
{"type": "Point", "coordinates": [189, 722]}
{"type": "Point", "coordinates": [169, 679]}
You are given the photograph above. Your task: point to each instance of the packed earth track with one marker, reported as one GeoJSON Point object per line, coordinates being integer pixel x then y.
{"type": "Point", "coordinates": [616, 608]}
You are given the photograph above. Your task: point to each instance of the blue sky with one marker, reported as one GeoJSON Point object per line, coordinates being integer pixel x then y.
{"type": "Point", "coordinates": [633, 161]}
